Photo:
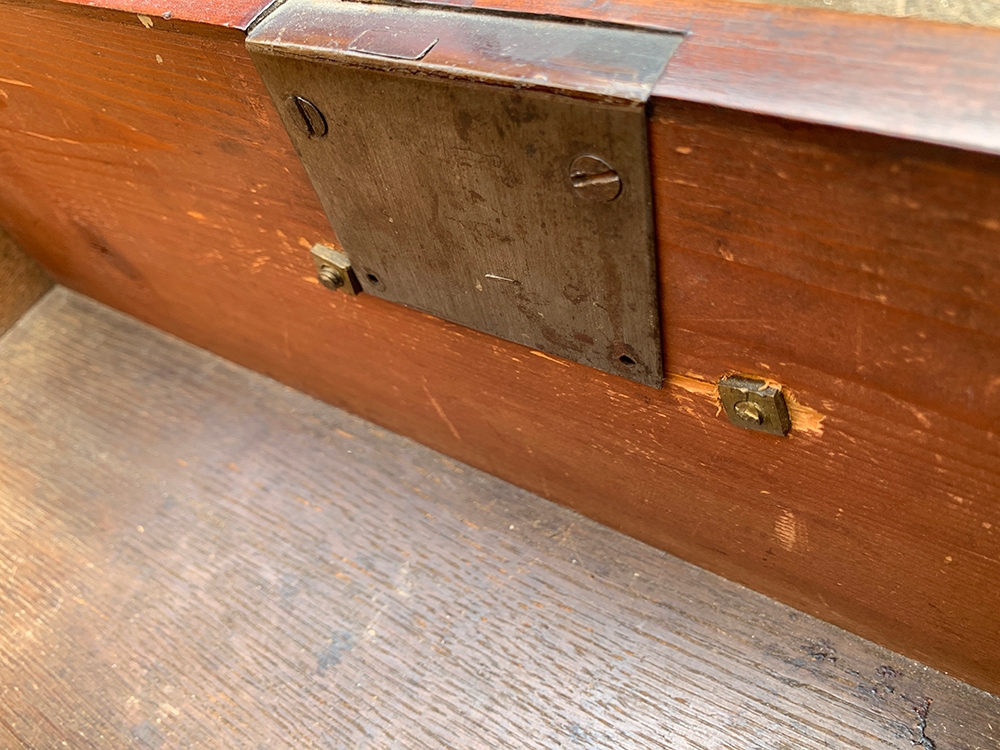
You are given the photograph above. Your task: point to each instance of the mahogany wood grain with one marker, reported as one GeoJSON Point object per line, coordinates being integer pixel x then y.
{"type": "Point", "coordinates": [926, 81]}
{"type": "Point", "coordinates": [147, 168]}
{"type": "Point", "coordinates": [214, 560]}
{"type": "Point", "coordinates": [972, 12]}
{"type": "Point", "coordinates": [22, 282]}
{"type": "Point", "coordinates": [237, 14]}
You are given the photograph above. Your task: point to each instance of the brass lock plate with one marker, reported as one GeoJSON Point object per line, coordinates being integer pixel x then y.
{"type": "Point", "coordinates": [755, 405]}
{"type": "Point", "coordinates": [334, 271]}
{"type": "Point", "coordinates": [492, 170]}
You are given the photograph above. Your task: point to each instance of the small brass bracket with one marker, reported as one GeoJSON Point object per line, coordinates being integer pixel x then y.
{"type": "Point", "coordinates": [333, 269]}
{"type": "Point", "coordinates": [755, 405]}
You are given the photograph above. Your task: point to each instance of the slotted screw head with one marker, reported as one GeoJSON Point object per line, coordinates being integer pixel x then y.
{"type": "Point", "coordinates": [329, 278]}
{"type": "Point", "coordinates": [594, 179]}
{"type": "Point", "coordinates": [754, 404]}
{"type": "Point", "coordinates": [749, 412]}
{"type": "Point", "coordinates": [333, 269]}
{"type": "Point", "coordinates": [310, 120]}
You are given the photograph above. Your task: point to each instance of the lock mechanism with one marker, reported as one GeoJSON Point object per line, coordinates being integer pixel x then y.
{"type": "Point", "coordinates": [491, 169]}
{"type": "Point", "coordinates": [755, 405]}
{"type": "Point", "coordinates": [334, 271]}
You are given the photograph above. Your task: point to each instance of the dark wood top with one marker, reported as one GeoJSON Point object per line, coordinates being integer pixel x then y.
{"type": "Point", "coordinates": [902, 77]}
{"type": "Point", "coordinates": [922, 80]}
{"type": "Point", "coordinates": [237, 14]}
{"type": "Point", "coordinates": [193, 553]}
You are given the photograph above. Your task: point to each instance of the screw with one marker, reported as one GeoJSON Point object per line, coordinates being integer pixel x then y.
{"type": "Point", "coordinates": [749, 412]}
{"type": "Point", "coordinates": [329, 278]}
{"type": "Point", "coordinates": [594, 179]}
{"type": "Point", "coordinates": [308, 116]}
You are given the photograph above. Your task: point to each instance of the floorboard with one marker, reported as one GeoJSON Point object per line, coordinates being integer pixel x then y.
{"type": "Point", "coordinates": [192, 555]}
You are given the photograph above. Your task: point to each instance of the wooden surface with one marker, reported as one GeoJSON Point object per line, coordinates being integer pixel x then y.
{"type": "Point", "coordinates": [976, 12]}
{"type": "Point", "coordinates": [194, 555]}
{"type": "Point", "coordinates": [240, 13]}
{"type": "Point", "coordinates": [933, 82]}
{"type": "Point", "coordinates": [237, 14]}
{"type": "Point", "coordinates": [22, 282]}
{"type": "Point", "coordinates": [922, 80]}
{"type": "Point", "coordinates": [860, 272]}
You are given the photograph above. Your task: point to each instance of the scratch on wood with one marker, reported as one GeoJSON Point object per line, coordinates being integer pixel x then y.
{"type": "Point", "coordinates": [791, 531]}
{"type": "Point", "coordinates": [440, 411]}
{"type": "Point", "coordinates": [695, 385]}
{"type": "Point", "coordinates": [550, 359]}
{"type": "Point", "coordinates": [52, 139]}
{"type": "Point", "coordinates": [784, 530]}
{"type": "Point", "coordinates": [804, 418]}
{"type": "Point", "coordinates": [14, 82]}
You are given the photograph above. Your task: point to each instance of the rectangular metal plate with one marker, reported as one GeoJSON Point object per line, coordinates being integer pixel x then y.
{"type": "Point", "coordinates": [447, 179]}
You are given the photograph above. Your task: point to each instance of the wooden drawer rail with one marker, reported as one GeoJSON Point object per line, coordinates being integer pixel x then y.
{"type": "Point", "coordinates": [214, 560]}
{"type": "Point", "coordinates": [827, 199]}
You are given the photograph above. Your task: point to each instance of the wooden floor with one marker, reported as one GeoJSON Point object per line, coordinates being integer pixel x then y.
{"type": "Point", "coordinates": [192, 555]}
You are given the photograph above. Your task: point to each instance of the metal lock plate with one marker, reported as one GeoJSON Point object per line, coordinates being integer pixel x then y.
{"type": "Point", "coordinates": [755, 405]}
{"type": "Point", "coordinates": [492, 170]}
{"type": "Point", "coordinates": [334, 270]}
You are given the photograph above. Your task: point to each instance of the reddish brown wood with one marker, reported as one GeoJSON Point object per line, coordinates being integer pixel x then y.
{"type": "Point", "coordinates": [22, 282]}
{"type": "Point", "coordinates": [235, 13]}
{"type": "Point", "coordinates": [927, 81]}
{"type": "Point", "coordinates": [862, 273]}
{"type": "Point", "coordinates": [859, 271]}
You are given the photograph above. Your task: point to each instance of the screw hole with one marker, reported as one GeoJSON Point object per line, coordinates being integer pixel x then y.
{"type": "Point", "coordinates": [626, 360]}
{"type": "Point", "coordinates": [372, 278]}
